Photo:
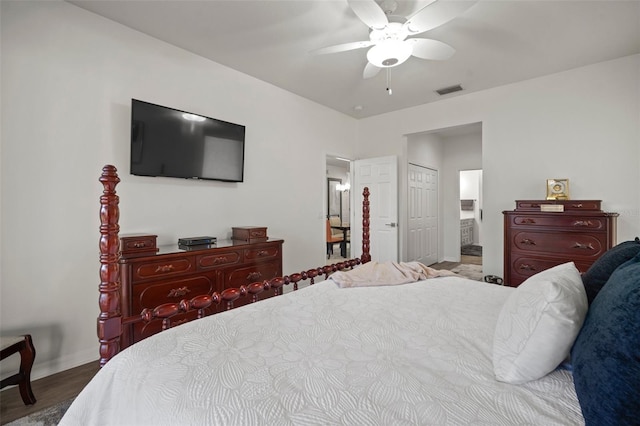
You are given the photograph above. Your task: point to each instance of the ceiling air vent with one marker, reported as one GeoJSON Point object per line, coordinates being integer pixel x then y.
{"type": "Point", "coordinates": [450, 89]}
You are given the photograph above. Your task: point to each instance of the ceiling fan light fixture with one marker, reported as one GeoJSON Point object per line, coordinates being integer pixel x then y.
{"type": "Point", "coordinates": [389, 53]}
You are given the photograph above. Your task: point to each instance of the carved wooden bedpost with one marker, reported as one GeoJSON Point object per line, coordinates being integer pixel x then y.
{"type": "Point", "coordinates": [366, 241]}
{"type": "Point", "coordinates": [110, 318]}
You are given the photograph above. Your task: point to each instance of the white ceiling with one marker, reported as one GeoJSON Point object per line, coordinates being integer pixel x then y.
{"type": "Point", "coordinates": [497, 42]}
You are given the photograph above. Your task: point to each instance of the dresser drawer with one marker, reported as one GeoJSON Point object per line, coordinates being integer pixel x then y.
{"type": "Point", "coordinates": [219, 259]}
{"type": "Point", "coordinates": [524, 267]}
{"type": "Point", "coordinates": [578, 205]}
{"type": "Point", "coordinates": [263, 253]}
{"type": "Point", "coordinates": [163, 268]}
{"type": "Point", "coordinates": [153, 295]}
{"type": "Point", "coordinates": [570, 245]}
{"type": "Point", "coordinates": [560, 221]}
{"type": "Point", "coordinates": [258, 272]}
{"type": "Point", "coordinates": [250, 274]}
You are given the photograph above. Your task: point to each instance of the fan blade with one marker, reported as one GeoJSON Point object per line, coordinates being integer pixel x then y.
{"type": "Point", "coordinates": [430, 49]}
{"type": "Point", "coordinates": [370, 13]}
{"type": "Point", "coordinates": [435, 14]}
{"type": "Point", "coordinates": [370, 70]}
{"type": "Point", "coordinates": [342, 47]}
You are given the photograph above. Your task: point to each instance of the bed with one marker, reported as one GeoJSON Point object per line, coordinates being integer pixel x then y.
{"type": "Point", "coordinates": [358, 348]}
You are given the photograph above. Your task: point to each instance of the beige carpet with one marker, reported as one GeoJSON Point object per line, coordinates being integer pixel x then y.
{"type": "Point", "coordinates": [473, 272]}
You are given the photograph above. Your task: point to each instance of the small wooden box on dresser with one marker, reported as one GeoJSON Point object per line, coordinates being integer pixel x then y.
{"type": "Point", "coordinates": [169, 274]}
{"type": "Point", "coordinates": [535, 240]}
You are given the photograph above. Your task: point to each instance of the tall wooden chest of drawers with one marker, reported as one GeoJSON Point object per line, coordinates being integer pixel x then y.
{"type": "Point", "coordinates": [172, 274]}
{"type": "Point", "coordinates": [535, 240]}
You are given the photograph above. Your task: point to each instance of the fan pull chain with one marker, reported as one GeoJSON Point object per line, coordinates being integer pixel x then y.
{"type": "Point", "coordinates": [388, 82]}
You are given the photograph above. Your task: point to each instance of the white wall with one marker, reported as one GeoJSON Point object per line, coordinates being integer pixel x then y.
{"type": "Point", "coordinates": [68, 77]}
{"type": "Point", "coordinates": [582, 124]}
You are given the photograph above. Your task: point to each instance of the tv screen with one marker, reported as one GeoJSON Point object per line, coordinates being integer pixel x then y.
{"type": "Point", "coordinates": [172, 143]}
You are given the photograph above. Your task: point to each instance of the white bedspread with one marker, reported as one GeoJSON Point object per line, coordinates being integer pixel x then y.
{"type": "Point", "coordinates": [413, 354]}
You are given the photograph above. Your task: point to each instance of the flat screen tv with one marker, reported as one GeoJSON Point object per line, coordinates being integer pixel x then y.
{"type": "Point", "coordinates": [172, 143]}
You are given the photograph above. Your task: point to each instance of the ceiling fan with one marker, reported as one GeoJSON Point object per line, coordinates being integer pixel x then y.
{"type": "Point", "coordinates": [391, 35]}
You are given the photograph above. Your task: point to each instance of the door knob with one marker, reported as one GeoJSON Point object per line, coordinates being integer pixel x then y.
{"type": "Point", "coordinates": [392, 224]}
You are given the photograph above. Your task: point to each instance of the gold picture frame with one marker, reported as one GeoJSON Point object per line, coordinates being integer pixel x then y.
{"type": "Point", "coordinates": [557, 189]}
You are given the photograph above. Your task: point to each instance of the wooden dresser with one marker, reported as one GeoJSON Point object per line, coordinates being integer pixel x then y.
{"type": "Point", "coordinates": [151, 276]}
{"type": "Point", "coordinates": [535, 240]}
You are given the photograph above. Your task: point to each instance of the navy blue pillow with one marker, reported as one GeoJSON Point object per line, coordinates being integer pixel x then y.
{"type": "Point", "coordinates": [598, 274]}
{"type": "Point", "coordinates": [606, 353]}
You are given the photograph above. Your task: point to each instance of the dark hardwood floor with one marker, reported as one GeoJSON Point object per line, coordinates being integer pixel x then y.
{"type": "Point", "coordinates": [48, 391]}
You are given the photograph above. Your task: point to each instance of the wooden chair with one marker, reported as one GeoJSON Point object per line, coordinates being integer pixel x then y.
{"type": "Point", "coordinates": [331, 239]}
{"type": "Point", "coordinates": [23, 345]}
{"type": "Point", "coordinates": [335, 221]}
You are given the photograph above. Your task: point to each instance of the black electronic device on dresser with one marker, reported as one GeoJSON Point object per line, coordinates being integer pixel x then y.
{"type": "Point", "coordinates": [541, 234]}
{"type": "Point", "coordinates": [152, 276]}
{"type": "Point", "coordinates": [197, 241]}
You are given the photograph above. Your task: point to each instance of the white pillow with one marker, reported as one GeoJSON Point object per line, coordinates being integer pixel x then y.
{"type": "Point", "coordinates": [538, 324]}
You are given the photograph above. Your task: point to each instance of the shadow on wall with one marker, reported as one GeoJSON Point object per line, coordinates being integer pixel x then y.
{"type": "Point", "coordinates": [47, 340]}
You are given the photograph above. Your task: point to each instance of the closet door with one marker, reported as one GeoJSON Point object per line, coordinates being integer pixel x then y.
{"type": "Point", "coordinates": [422, 222]}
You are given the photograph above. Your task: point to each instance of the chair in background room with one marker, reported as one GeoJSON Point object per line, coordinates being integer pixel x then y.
{"type": "Point", "coordinates": [332, 238]}
{"type": "Point", "coordinates": [24, 346]}
{"type": "Point", "coordinates": [336, 223]}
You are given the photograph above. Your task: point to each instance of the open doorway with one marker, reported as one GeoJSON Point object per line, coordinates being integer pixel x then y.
{"type": "Point", "coordinates": [448, 151]}
{"type": "Point", "coordinates": [471, 217]}
{"type": "Point", "coordinates": [338, 208]}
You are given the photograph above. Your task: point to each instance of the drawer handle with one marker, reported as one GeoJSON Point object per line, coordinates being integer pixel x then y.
{"type": "Point", "coordinates": [165, 268]}
{"type": "Point", "coordinates": [263, 253]}
{"type": "Point", "coordinates": [577, 206]}
{"type": "Point", "coordinates": [528, 220]}
{"type": "Point", "coordinates": [254, 276]}
{"type": "Point", "coordinates": [178, 292]}
{"type": "Point", "coordinates": [528, 242]}
{"type": "Point", "coordinates": [527, 267]}
{"type": "Point", "coordinates": [139, 245]}
{"type": "Point", "coordinates": [582, 223]}
{"type": "Point", "coordinates": [583, 246]}
{"type": "Point", "coordinates": [220, 259]}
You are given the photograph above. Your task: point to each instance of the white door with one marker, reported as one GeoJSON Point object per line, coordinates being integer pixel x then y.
{"type": "Point", "coordinates": [381, 176]}
{"type": "Point", "coordinates": [422, 231]}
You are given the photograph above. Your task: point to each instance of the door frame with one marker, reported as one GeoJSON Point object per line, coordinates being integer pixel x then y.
{"type": "Point", "coordinates": [440, 157]}
{"type": "Point", "coordinates": [325, 198]}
